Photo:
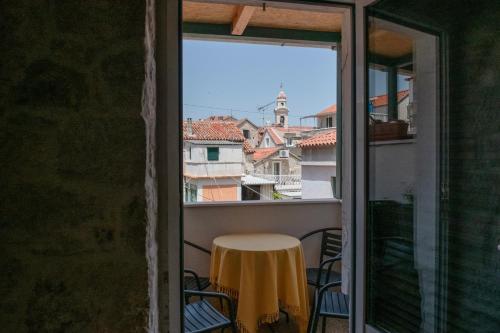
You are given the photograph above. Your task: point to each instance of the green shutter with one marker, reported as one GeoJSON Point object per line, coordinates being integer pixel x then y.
{"type": "Point", "coordinates": [213, 153]}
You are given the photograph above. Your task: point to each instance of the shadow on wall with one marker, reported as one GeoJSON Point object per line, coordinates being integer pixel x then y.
{"type": "Point", "coordinates": [72, 222]}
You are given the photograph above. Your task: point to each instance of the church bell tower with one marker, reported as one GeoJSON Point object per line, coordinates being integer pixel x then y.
{"type": "Point", "coordinates": [281, 109]}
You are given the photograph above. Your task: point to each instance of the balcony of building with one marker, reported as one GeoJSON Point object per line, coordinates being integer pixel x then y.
{"type": "Point", "coordinates": [205, 221]}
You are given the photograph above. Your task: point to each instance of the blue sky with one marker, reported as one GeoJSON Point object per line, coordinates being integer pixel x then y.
{"type": "Point", "coordinates": [243, 76]}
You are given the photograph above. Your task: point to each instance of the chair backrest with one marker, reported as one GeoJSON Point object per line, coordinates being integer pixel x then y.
{"type": "Point", "coordinates": [331, 244]}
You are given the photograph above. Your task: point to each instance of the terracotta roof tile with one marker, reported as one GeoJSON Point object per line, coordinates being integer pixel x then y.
{"type": "Point", "coordinates": [326, 138]}
{"type": "Point", "coordinates": [292, 129]}
{"type": "Point", "coordinates": [276, 138]}
{"type": "Point", "coordinates": [262, 153]}
{"type": "Point", "coordinates": [213, 130]}
{"type": "Point", "coordinates": [382, 100]}
{"type": "Point", "coordinates": [221, 118]}
{"type": "Point", "coordinates": [247, 147]}
{"type": "Point", "coordinates": [329, 110]}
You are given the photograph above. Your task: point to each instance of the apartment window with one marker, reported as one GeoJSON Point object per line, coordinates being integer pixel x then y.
{"type": "Point", "coordinates": [246, 134]}
{"type": "Point", "coordinates": [267, 142]}
{"type": "Point", "coordinates": [213, 153]}
{"type": "Point", "coordinates": [329, 122]}
{"type": "Point", "coordinates": [276, 168]}
{"type": "Point", "coordinates": [289, 142]}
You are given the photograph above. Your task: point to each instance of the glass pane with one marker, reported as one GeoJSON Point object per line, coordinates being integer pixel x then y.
{"type": "Point", "coordinates": [403, 178]}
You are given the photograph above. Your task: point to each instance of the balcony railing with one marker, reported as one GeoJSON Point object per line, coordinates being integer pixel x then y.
{"type": "Point", "coordinates": [281, 180]}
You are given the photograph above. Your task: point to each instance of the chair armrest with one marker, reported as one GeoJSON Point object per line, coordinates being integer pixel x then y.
{"type": "Point", "coordinates": [196, 277]}
{"type": "Point", "coordinates": [211, 294]}
{"type": "Point", "coordinates": [196, 246]}
{"type": "Point", "coordinates": [330, 263]}
{"type": "Point", "coordinates": [318, 231]}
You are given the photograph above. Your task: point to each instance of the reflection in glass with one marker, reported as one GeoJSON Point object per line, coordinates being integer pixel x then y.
{"type": "Point", "coordinates": [402, 178]}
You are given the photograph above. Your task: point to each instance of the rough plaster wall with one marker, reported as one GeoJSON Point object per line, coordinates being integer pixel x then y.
{"type": "Point", "coordinates": [72, 167]}
{"type": "Point", "coordinates": [150, 184]}
{"type": "Point", "coordinates": [474, 172]}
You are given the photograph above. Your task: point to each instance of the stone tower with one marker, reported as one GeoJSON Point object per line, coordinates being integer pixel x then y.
{"type": "Point", "coordinates": [281, 109]}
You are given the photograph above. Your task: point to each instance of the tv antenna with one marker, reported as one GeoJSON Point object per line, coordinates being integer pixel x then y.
{"type": "Point", "coordinates": [262, 109]}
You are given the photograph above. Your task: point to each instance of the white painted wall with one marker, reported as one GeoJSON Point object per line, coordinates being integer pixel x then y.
{"type": "Point", "coordinates": [263, 143]}
{"type": "Point", "coordinates": [321, 122]}
{"type": "Point", "coordinates": [319, 154]}
{"type": "Point", "coordinates": [230, 161]}
{"type": "Point", "coordinates": [316, 181]}
{"type": "Point", "coordinates": [318, 167]}
{"type": "Point", "coordinates": [203, 222]}
{"type": "Point", "coordinates": [393, 163]}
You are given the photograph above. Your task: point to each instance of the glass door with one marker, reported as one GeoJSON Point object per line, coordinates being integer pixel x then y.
{"type": "Point", "coordinates": [404, 168]}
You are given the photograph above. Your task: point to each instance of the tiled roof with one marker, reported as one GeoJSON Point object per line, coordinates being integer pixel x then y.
{"type": "Point", "coordinates": [247, 147]}
{"type": "Point", "coordinates": [262, 153]}
{"type": "Point", "coordinates": [383, 100]}
{"type": "Point", "coordinates": [213, 130]}
{"type": "Point", "coordinates": [221, 118]}
{"type": "Point", "coordinates": [242, 121]}
{"type": "Point", "coordinates": [328, 111]}
{"type": "Point", "coordinates": [276, 138]}
{"type": "Point", "coordinates": [326, 138]}
{"type": "Point", "coordinates": [292, 129]}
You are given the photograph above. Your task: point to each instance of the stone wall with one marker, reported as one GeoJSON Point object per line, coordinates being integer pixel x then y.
{"type": "Point", "coordinates": [72, 221]}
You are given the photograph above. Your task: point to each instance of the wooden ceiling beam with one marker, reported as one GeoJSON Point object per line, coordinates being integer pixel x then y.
{"type": "Point", "coordinates": [241, 19]}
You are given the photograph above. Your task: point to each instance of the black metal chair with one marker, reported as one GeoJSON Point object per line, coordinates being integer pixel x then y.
{"type": "Point", "coordinates": [192, 281]}
{"type": "Point", "coordinates": [331, 247]}
{"type": "Point", "coordinates": [202, 316]}
{"type": "Point", "coordinates": [328, 304]}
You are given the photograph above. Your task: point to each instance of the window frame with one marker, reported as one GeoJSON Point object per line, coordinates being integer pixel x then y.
{"type": "Point", "coordinates": [210, 153]}
{"type": "Point", "coordinates": [278, 163]}
{"type": "Point", "coordinates": [329, 122]}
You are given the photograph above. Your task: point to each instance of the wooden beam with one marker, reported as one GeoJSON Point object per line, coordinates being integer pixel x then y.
{"type": "Point", "coordinates": [241, 19]}
{"type": "Point", "coordinates": [256, 34]}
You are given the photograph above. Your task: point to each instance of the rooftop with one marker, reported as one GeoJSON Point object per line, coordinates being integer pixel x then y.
{"type": "Point", "coordinates": [326, 138]}
{"type": "Point", "coordinates": [328, 111]}
{"type": "Point", "coordinates": [383, 100]}
{"type": "Point", "coordinates": [212, 130]}
{"type": "Point", "coordinates": [262, 153]}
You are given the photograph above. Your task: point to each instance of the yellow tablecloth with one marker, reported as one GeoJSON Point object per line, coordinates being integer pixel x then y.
{"type": "Point", "coordinates": [263, 272]}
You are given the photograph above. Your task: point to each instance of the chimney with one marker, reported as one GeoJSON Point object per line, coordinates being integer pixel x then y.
{"type": "Point", "coordinates": [190, 126]}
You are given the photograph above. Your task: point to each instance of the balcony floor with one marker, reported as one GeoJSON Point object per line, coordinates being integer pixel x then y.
{"type": "Point", "coordinates": [333, 325]}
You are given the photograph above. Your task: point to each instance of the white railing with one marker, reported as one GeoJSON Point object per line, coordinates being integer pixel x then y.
{"type": "Point", "coordinates": [281, 179]}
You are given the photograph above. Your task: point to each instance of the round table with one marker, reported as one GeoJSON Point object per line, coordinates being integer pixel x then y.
{"type": "Point", "coordinates": [263, 272]}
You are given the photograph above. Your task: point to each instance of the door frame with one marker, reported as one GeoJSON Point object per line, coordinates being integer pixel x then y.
{"type": "Point", "coordinates": [168, 55]}
{"type": "Point", "coordinates": [363, 12]}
